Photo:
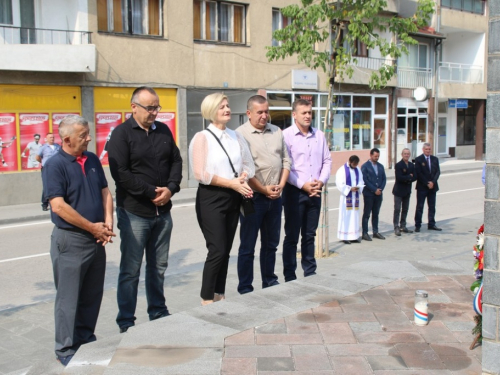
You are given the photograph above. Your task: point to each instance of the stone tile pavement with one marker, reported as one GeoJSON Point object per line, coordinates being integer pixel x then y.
{"type": "Point", "coordinates": [371, 332]}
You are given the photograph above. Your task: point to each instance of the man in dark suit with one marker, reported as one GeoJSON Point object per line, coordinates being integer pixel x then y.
{"type": "Point", "coordinates": [405, 175]}
{"type": "Point", "coordinates": [427, 168]}
{"type": "Point", "coordinates": [375, 180]}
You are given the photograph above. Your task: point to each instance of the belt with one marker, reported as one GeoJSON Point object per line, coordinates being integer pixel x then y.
{"type": "Point", "coordinates": [76, 230]}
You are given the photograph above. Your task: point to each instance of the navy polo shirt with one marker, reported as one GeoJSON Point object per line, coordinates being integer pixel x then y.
{"type": "Point", "coordinates": [63, 177]}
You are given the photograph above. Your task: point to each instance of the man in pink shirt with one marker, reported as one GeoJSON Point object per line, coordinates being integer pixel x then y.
{"type": "Point", "coordinates": [311, 163]}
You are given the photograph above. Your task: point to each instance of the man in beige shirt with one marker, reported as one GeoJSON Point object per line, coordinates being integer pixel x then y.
{"type": "Point", "coordinates": [272, 166]}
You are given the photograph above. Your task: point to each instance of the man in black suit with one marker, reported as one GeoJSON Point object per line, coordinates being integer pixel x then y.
{"type": "Point", "coordinates": [375, 180]}
{"type": "Point", "coordinates": [405, 175]}
{"type": "Point", "coordinates": [427, 168]}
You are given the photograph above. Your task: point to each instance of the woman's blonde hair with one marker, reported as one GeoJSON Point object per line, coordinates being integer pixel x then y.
{"type": "Point", "coordinates": [210, 105]}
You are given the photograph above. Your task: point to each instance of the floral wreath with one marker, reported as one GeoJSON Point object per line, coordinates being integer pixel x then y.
{"type": "Point", "coordinates": [477, 285]}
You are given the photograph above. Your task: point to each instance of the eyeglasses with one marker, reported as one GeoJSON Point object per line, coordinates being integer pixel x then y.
{"type": "Point", "coordinates": [150, 108]}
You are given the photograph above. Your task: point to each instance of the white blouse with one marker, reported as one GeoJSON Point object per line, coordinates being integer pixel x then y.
{"type": "Point", "coordinates": [207, 158]}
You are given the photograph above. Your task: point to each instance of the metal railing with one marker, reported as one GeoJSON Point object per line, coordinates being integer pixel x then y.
{"type": "Point", "coordinates": [371, 63]}
{"type": "Point", "coordinates": [460, 73]}
{"type": "Point", "coordinates": [31, 35]}
{"type": "Point", "coordinates": [411, 78]}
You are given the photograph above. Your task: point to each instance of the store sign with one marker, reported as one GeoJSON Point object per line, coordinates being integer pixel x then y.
{"type": "Point", "coordinates": [458, 103]}
{"type": "Point", "coordinates": [304, 79]}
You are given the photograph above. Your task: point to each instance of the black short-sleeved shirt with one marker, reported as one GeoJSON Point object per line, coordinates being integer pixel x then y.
{"type": "Point", "coordinates": [63, 177]}
{"type": "Point", "coordinates": [140, 161]}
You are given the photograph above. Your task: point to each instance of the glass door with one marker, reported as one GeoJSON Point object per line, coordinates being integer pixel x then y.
{"type": "Point", "coordinates": [441, 144]}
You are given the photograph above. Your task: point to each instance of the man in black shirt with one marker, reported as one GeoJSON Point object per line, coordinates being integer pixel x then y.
{"type": "Point", "coordinates": [147, 168]}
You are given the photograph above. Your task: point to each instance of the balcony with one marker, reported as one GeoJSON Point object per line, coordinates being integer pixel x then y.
{"type": "Point", "coordinates": [410, 78]}
{"type": "Point", "coordinates": [48, 50]}
{"type": "Point", "coordinates": [460, 73]}
{"type": "Point", "coordinates": [365, 66]}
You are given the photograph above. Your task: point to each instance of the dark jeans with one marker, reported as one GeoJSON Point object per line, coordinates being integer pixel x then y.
{"type": "Point", "coordinates": [139, 235]}
{"type": "Point", "coordinates": [401, 205]}
{"type": "Point", "coordinates": [79, 265]}
{"type": "Point", "coordinates": [267, 219]}
{"type": "Point", "coordinates": [372, 205]}
{"type": "Point", "coordinates": [217, 210]}
{"type": "Point", "coordinates": [422, 195]}
{"type": "Point", "coordinates": [301, 218]}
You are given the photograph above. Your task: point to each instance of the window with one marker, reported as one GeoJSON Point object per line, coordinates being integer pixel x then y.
{"type": "Point", "coordinates": [279, 22]}
{"type": "Point", "coordinates": [138, 17]}
{"type": "Point", "coordinates": [6, 12]}
{"type": "Point", "coordinates": [466, 124]}
{"type": "Point", "coordinates": [472, 6]}
{"type": "Point", "coordinates": [357, 48]}
{"type": "Point", "coordinates": [219, 21]}
{"type": "Point", "coordinates": [417, 57]}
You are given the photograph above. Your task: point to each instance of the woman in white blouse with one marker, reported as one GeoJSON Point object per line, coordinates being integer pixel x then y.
{"type": "Point", "coordinates": [220, 191]}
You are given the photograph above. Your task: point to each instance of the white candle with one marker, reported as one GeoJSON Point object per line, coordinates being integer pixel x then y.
{"type": "Point", "coordinates": [421, 316]}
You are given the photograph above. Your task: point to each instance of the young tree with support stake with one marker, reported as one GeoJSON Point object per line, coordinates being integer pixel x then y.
{"type": "Point", "coordinates": [323, 22]}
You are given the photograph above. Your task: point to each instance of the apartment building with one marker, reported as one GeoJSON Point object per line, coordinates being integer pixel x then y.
{"type": "Point", "coordinates": [87, 56]}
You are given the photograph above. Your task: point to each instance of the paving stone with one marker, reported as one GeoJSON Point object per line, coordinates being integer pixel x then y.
{"type": "Point", "coordinates": [395, 286]}
{"type": "Point", "coordinates": [388, 337]}
{"type": "Point", "coordinates": [241, 366]}
{"type": "Point", "coordinates": [419, 356]}
{"type": "Point", "coordinates": [451, 349]}
{"type": "Point", "coordinates": [243, 338]}
{"type": "Point", "coordinates": [297, 373]}
{"type": "Point", "coordinates": [414, 372]}
{"type": "Point", "coordinates": [405, 303]}
{"type": "Point", "coordinates": [365, 316]}
{"type": "Point", "coordinates": [361, 349]}
{"type": "Point", "coordinates": [370, 308]}
{"type": "Point", "coordinates": [436, 332]}
{"type": "Point", "coordinates": [365, 326]}
{"type": "Point", "coordinates": [462, 364]}
{"type": "Point", "coordinates": [457, 295]}
{"type": "Point", "coordinates": [275, 364]}
{"type": "Point", "coordinates": [301, 328]}
{"type": "Point", "coordinates": [311, 358]}
{"type": "Point", "coordinates": [377, 297]}
{"type": "Point", "coordinates": [451, 311]}
{"type": "Point", "coordinates": [464, 280]}
{"type": "Point", "coordinates": [464, 336]}
{"type": "Point", "coordinates": [302, 317]}
{"type": "Point", "coordinates": [330, 304]}
{"type": "Point", "coordinates": [257, 351]}
{"type": "Point", "coordinates": [337, 333]}
{"type": "Point", "coordinates": [401, 292]}
{"type": "Point", "coordinates": [351, 365]}
{"type": "Point", "coordinates": [271, 328]}
{"type": "Point", "coordinates": [355, 299]}
{"type": "Point", "coordinates": [460, 326]}
{"type": "Point", "coordinates": [437, 267]}
{"type": "Point", "coordinates": [388, 362]}
{"type": "Point", "coordinates": [288, 339]}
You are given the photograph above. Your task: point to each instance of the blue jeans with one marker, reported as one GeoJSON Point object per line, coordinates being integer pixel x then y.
{"type": "Point", "coordinates": [301, 217]}
{"type": "Point", "coordinates": [267, 219]}
{"type": "Point", "coordinates": [138, 235]}
{"type": "Point", "coordinates": [371, 207]}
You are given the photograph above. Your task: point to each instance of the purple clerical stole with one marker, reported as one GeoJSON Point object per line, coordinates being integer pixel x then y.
{"type": "Point", "coordinates": [348, 201]}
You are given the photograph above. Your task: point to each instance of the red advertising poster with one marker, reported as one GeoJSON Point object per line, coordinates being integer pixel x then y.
{"type": "Point", "coordinates": [168, 118]}
{"type": "Point", "coordinates": [56, 120]}
{"type": "Point", "coordinates": [8, 142]}
{"type": "Point", "coordinates": [128, 115]}
{"type": "Point", "coordinates": [105, 123]}
{"type": "Point", "coordinates": [33, 128]}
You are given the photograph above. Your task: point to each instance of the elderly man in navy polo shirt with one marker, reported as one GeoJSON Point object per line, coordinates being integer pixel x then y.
{"type": "Point", "coordinates": [82, 211]}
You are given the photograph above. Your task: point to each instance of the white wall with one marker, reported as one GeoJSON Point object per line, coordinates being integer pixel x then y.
{"type": "Point", "coordinates": [464, 48]}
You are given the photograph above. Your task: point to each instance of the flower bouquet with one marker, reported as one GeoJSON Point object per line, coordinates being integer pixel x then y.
{"type": "Point", "coordinates": [477, 285]}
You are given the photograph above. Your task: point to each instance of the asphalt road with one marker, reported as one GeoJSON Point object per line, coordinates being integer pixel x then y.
{"type": "Point", "coordinates": [25, 268]}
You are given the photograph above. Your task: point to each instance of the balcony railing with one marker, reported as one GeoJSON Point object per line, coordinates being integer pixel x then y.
{"type": "Point", "coordinates": [460, 73]}
{"type": "Point", "coordinates": [371, 63]}
{"type": "Point", "coordinates": [411, 78]}
{"type": "Point", "coordinates": [30, 35]}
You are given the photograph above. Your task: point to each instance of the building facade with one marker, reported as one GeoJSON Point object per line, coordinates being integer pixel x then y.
{"type": "Point", "coordinates": [87, 56]}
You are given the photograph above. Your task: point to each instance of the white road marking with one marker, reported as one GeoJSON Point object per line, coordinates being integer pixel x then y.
{"type": "Point", "coordinates": [26, 257]}
{"type": "Point", "coordinates": [460, 191]}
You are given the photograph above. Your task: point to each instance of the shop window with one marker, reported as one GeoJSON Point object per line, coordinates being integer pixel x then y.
{"type": "Point", "coordinates": [313, 99]}
{"type": "Point", "coordinates": [279, 22]}
{"type": "Point", "coordinates": [281, 118]}
{"type": "Point", "coordinates": [380, 106]}
{"type": "Point", "coordinates": [341, 132]}
{"type": "Point", "coordinates": [6, 12]}
{"type": "Point", "coordinates": [343, 101]}
{"type": "Point", "coordinates": [219, 21]}
{"type": "Point", "coordinates": [279, 100]}
{"type": "Point", "coordinates": [137, 17]}
{"type": "Point", "coordinates": [379, 133]}
{"type": "Point", "coordinates": [466, 125]}
{"type": "Point", "coordinates": [362, 101]}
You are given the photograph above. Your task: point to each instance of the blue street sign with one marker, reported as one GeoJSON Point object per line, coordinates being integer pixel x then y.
{"type": "Point", "coordinates": [458, 103]}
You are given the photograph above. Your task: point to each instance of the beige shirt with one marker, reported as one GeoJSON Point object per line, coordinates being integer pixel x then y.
{"type": "Point", "coordinates": [269, 152]}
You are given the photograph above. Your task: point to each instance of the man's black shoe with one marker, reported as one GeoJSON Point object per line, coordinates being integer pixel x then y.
{"type": "Point", "coordinates": [379, 236]}
{"type": "Point", "coordinates": [435, 228]}
{"type": "Point", "coordinates": [45, 208]}
{"type": "Point", "coordinates": [406, 230]}
{"type": "Point", "coordinates": [65, 360]}
{"type": "Point", "coordinates": [417, 229]}
{"type": "Point", "coordinates": [347, 242]}
{"type": "Point", "coordinates": [397, 231]}
{"type": "Point", "coordinates": [124, 329]}
{"type": "Point", "coordinates": [366, 237]}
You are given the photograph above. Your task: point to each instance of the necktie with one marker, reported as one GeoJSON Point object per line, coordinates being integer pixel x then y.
{"type": "Point", "coordinates": [429, 163]}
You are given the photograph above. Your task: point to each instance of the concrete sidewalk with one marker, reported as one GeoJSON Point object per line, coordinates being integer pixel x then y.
{"type": "Point", "coordinates": [353, 317]}
{"type": "Point", "coordinates": [33, 211]}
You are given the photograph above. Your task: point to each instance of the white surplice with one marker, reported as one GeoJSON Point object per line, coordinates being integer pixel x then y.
{"type": "Point", "coordinates": [349, 226]}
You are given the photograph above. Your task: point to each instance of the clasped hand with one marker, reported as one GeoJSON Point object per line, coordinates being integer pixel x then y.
{"type": "Point", "coordinates": [163, 195]}
{"type": "Point", "coordinates": [103, 232]}
{"type": "Point", "coordinates": [273, 191]}
{"type": "Point", "coordinates": [313, 188]}
{"type": "Point", "coordinates": [240, 185]}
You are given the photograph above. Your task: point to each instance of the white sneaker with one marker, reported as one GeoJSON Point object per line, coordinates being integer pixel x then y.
{"type": "Point", "coordinates": [5, 164]}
